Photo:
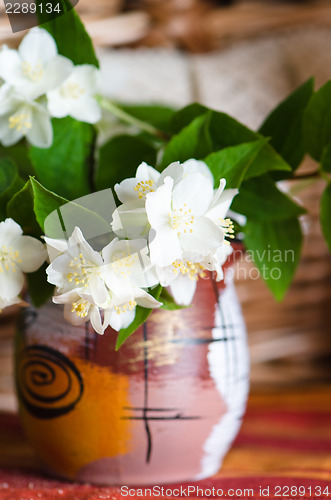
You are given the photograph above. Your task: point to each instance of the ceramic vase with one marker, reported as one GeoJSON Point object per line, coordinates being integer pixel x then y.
{"type": "Point", "coordinates": [164, 408]}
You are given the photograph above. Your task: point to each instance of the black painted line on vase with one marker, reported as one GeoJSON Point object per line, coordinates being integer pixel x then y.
{"type": "Point", "coordinates": [144, 417]}
{"type": "Point", "coordinates": [200, 341]}
{"type": "Point", "coordinates": [135, 408]}
{"type": "Point", "coordinates": [176, 417]}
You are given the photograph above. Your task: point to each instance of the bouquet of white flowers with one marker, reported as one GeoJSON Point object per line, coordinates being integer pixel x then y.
{"type": "Point", "coordinates": [111, 256]}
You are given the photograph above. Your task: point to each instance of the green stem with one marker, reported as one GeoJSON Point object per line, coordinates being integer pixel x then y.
{"type": "Point", "coordinates": [131, 120]}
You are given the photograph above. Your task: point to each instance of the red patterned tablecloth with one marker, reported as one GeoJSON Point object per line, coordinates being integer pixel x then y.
{"type": "Point", "coordinates": [282, 451]}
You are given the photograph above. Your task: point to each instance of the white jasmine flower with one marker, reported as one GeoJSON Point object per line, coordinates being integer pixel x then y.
{"type": "Point", "coordinates": [193, 166]}
{"type": "Point", "coordinates": [148, 179]}
{"type": "Point", "coordinates": [18, 254]}
{"type": "Point", "coordinates": [103, 288]}
{"type": "Point", "coordinates": [130, 219]}
{"type": "Point", "coordinates": [80, 308]}
{"type": "Point", "coordinates": [177, 215]}
{"type": "Point", "coordinates": [127, 265]}
{"type": "Point", "coordinates": [181, 276]}
{"type": "Point", "coordinates": [75, 97]}
{"type": "Point", "coordinates": [215, 260]}
{"type": "Point", "coordinates": [220, 205]}
{"type": "Point", "coordinates": [128, 272]}
{"type": "Point", "coordinates": [135, 188]}
{"type": "Point", "coordinates": [22, 117]}
{"type": "Point", "coordinates": [36, 67]}
{"type": "Point", "coordinates": [78, 269]}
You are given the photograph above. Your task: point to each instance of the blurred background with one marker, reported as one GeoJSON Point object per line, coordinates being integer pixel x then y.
{"type": "Point", "coordinates": [241, 57]}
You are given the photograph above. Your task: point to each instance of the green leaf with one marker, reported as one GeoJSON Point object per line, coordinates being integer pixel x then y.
{"type": "Point", "coordinates": [284, 125]}
{"type": "Point", "coordinates": [192, 141]}
{"type": "Point", "coordinates": [186, 115]}
{"type": "Point", "coordinates": [66, 215]}
{"type": "Point", "coordinates": [120, 157]}
{"type": "Point", "coordinates": [233, 163]}
{"type": "Point", "coordinates": [275, 247]}
{"type": "Point", "coordinates": [225, 131]}
{"type": "Point", "coordinates": [20, 208]}
{"type": "Point", "coordinates": [44, 202]}
{"type": "Point", "coordinates": [19, 154]}
{"type": "Point", "coordinates": [326, 159]}
{"type": "Point", "coordinates": [259, 199]}
{"type": "Point", "coordinates": [168, 301]}
{"type": "Point", "coordinates": [317, 122]}
{"type": "Point", "coordinates": [64, 167]}
{"type": "Point", "coordinates": [141, 316]}
{"type": "Point", "coordinates": [39, 288]}
{"type": "Point", "coordinates": [10, 183]}
{"type": "Point", "coordinates": [155, 114]}
{"type": "Point", "coordinates": [325, 215]}
{"type": "Point", "coordinates": [69, 33]}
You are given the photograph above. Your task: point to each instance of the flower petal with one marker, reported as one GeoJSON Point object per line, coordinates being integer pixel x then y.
{"type": "Point", "coordinates": [9, 231]}
{"type": "Point", "coordinates": [55, 247]}
{"type": "Point", "coordinates": [158, 204]}
{"type": "Point", "coordinates": [9, 136]}
{"type": "Point", "coordinates": [195, 191]}
{"type": "Point", "coordinates": [95, 319]}
{"type": "Point", "coordinates": [37, 47]}
{"type": "Point", "coordinates": [31, 251]}
{"type": "Point", "coordinates": [87, 76]}
{"type": "Point", "coordinates": [205, 236]}
{"type": "Point", "coordinates": [86, 109]}
{"type": "Point", "coordinates": [146, 172]}
{"type": "Point", "coordinates": [56, 71]}
{"type": "Point", "coordinates": [125, 190]}
{"type": "Point", "coordinates": [144, 299]}
{"type": "Point", "coordinates": [121, 320]}
{"type": "Point", "coordinates": [130, 220]}
{"type": "Point", "coordinates": [72, 317]}
{"type": "Point", "coordinates": [41, 132]}
{"type": "Point", "coordinates": [183, 290]}
{"type": "Point", "coordinates": [193, 166]}
{"type": "Point", "coordinates": [10, 66]}
{"type": "Point", "coordinates": [164, 246]}
{"type": "Point", "coordinates": [11, 283]}
{"type": "Point", "coordinates": [221, 202]}
{"type": "Point", "coordinates": [56, 105]}
{"type": "Point", "coordinates": [78, 243]}
{"type": "Point", "coordinates": [174, 171]}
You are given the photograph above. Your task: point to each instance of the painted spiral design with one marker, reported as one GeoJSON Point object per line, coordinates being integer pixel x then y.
{"type": "Point", "coordinates": [49, 384]}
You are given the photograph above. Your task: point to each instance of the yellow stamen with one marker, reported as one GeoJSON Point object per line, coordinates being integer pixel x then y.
{"type": "Point", "coordinates": [72, 90]}
{"type": "Point", "coordinates": [178, 219]}
{"type": "Point", "coordinates": [128, 306]}
{"type": "Point", "coordinates": [33, 72]}
{"type": "Point", "coordinates": [81, 270]}
{"type": "Point", "coordinates": [20, 122]}
{"type": "Point", "coordinates": [81, 308]}
{"type": "Point", "coordinates": [9, 259]}
{"type": "Point", "coordinates": [144, 187]}
{"type": "Point", "coordinates": [192, 270]}
{"type": "Point", "coordinates": [227, 226]}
